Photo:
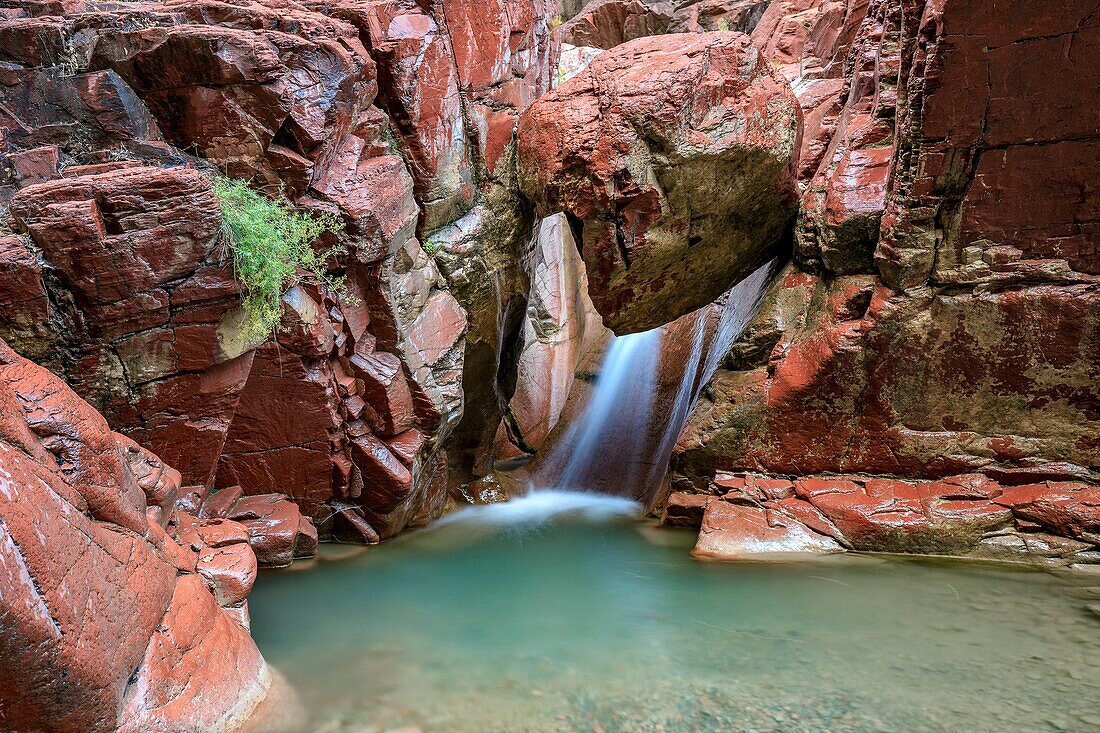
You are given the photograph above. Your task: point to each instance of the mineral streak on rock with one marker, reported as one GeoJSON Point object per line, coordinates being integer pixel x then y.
{"type": "Point", "coordinates": [944, 316]}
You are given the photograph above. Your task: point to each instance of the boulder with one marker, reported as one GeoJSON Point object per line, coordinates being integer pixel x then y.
{"type": "Point", "coordinates": [674, 157]}
{"type": "Point", "coordinates": [1068, 509]}
{"type": "Point", "coordinates": [685, 510]}
{"type": "Point", "coordinates": [276, 529]}
{"type": "Point", "coordinates": [224, 558]}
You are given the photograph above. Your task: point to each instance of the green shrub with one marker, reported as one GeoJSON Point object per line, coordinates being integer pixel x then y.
{"type": "Point", "coordinates": [272, 246]}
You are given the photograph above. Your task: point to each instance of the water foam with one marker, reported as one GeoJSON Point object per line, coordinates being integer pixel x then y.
{"type": "Point", "coordinates": [543, 507]}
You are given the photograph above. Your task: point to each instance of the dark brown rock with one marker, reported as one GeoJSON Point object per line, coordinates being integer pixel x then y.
{"type": "Point", "coordinates": [685, 510]}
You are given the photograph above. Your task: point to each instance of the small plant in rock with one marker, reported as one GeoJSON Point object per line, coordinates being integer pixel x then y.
{"type": "Point", "coordinates": [272, 246]}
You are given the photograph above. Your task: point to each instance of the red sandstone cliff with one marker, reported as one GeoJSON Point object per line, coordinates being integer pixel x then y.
{"type": "Point", "coordinates": [944, 312]}
{"type": "Point", "coordinates": [941, 315]}
{"type": "Point", "coordinates": [394, 115]}
{"type": "Point", "coordinates": [118, 612]}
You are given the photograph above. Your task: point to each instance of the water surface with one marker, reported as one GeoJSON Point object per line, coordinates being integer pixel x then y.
{"type": "Point", "coordinates": [502, 620]}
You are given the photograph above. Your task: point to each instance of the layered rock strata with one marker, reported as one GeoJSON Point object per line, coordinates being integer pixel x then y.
{"type": "Point", "coordinates": [943, 316]}
{"type": "Point", "coordinates": [751, 517]}
{"type": "Point", "coordinates": [608, 23]}
{"type": "Point", "coordinates": [114, 273]}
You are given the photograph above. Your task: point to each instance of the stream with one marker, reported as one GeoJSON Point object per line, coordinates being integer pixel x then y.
{"type": "Point", "coordinates": [563, 612]}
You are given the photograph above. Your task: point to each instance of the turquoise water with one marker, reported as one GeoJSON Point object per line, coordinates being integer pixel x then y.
{"type": "Point", "coordinates": [501, 620]}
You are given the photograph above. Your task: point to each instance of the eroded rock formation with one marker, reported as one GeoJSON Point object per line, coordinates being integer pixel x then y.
{"type": "Point", "coordinates": [957, 331]}
{"type": "Point", "coordinates": [675, 157]}
{"type": "Point", "coordinates": [753, 517]}
{"type": "Point", "coordinates": [117, 612]}
{"type": "Point", "coordinates": [114, 274]}
{"type": "Point", "coordinates": [608, 23]}
{"type": "Point", "coordinates": [940, 321]}
{"type": "Point", "coordinates": [935, 324]}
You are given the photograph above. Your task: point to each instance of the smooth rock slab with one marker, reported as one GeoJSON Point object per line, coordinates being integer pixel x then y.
{"type": "Point", "coordinates": [737, 532]}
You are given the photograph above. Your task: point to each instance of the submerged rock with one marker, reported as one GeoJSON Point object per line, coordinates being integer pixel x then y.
{"type": "Point", "coordinates": [674, 157]}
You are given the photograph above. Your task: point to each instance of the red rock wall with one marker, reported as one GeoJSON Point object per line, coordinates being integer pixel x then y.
{"type": "Point", "coordinates": [116, 611]}
{"type": "Point", "coordinates": [944, 316]}
{"type": "Point", "coordinates": [114, 274]}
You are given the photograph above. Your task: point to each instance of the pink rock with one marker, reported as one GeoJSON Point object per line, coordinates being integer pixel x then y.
{"type": "Point", "coordinates": [1064, 508]}
{"type": "Point", "coordinates": [734, 532]}
{"type": "Point", "coordinates": [106, 625]}
{"type": "Point", "coordinates": [196, 647]}
{"type": "Point", "coordinates": [418, 79]}
{"type": "Point", "coordinates": [406, 446]}
{"type": "Point", "coordinates": [277, 531]}
{"type": "Point", "coordinates": [229, 571]}
{"type": "Point", "coordinates": [219, 504]}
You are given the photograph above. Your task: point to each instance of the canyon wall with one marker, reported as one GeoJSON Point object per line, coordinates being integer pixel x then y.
{"type": "Point", "coordinates": [395, 116]}
{"type": "Point", "coordinates": [939, 321]}
{"type": "Point", "coordinates": [939, 324]}
{"type": "Point", "coordinates": [934, 320]}
{"type": "Point", "coordinates": [118, 611]}
{"type": "Point", "coordinates": [124, 606]}
{"type": "Point", "coordinates": [943, 312]}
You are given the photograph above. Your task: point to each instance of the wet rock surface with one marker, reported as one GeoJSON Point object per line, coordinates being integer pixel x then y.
{"type": "Point", "coordinates": [116, 278]}
{"type": "Point", "coordinates": [632, 146]}
{"type": "Point", "coordinates": [608, 23]}
{"type": "Point", "coordinates": [940, 320]}
{"type": "Point", "coordinates": [758, 518]}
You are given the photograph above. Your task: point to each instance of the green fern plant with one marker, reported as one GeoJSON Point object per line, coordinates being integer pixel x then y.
{"type": "Point", "coordinates": [272, 247]}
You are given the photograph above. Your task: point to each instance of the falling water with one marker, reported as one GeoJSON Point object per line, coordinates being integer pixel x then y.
{"type": "Point", "coordinates": [623, 438]}
{"type": "Point", "coordinates": [629, 368]}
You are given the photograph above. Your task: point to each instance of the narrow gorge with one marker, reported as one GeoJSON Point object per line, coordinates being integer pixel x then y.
{"type": "Point", "coordinates": [549, 366]}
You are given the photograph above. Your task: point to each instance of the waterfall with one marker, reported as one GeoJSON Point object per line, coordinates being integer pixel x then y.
{"type": "Point", "coordinates": [630, 367]}
{"type": "Point", "coordinates": [621, 441]}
